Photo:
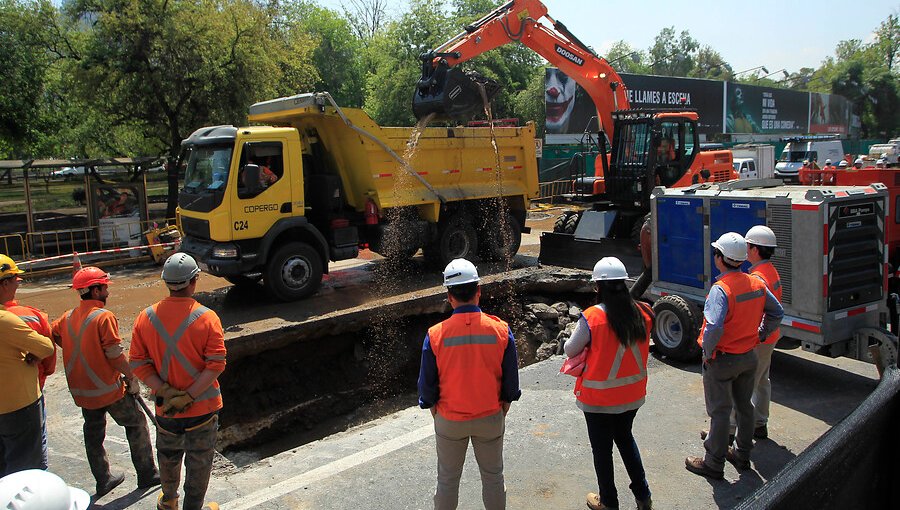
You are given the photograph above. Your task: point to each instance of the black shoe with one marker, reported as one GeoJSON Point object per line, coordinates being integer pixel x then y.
{"type": "Point", "coordinates": [704, 433]}
{"type": "Point", "coordinates": [741, 465]}
{"type": "Point", "coordinates": [146, 484]}
{"type": "Point", "coordinates": [107, 486]}
{"type": "Point", "coordinates": [761, 432]}
{"type": "Point", "coordinates": [697, 466]}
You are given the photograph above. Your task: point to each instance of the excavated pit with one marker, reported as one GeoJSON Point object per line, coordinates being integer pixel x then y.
{"type": "Point", "coordinates": [290, 386]}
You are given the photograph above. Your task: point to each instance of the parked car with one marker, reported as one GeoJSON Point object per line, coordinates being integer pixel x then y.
{"type": "Point", "coordinates": [68, 173]}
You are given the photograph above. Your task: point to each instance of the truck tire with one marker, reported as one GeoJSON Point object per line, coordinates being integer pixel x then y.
{"type": "Point", "coordinates": [501, 242]}
{"type": "Point", "coordinates": [572, 223]}
{"type": "Point", "coordinates": [676, 328]}
{"type": "Point", "coordinates": [560, 224]}
{"type": "Point", "coordinates": [456, 239]}
{"type": "Point", "coordinates": [294, 272]}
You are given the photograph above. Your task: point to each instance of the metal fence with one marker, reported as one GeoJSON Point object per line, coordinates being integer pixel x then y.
{"type": "Point", "coordinates": [552, 190]}
{"type": "Point", "coordinates": [13, 245]}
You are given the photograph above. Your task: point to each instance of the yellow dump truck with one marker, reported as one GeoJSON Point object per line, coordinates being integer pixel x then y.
{"type": "Point", "coordinates": [320, 182]}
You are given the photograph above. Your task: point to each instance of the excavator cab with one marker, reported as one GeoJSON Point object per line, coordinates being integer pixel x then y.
{"type": "Point", "coordinates": [650, 148]}
{"type": "Point", "coordinates": [446, 93]}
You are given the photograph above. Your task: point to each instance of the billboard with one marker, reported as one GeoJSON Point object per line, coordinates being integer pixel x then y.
{"type": "Point", "coordinates": [753, 109]}
{"type": "Point", "coordinates": [705, 96]}
{"type": "Point", "coordinates": [828, 113]}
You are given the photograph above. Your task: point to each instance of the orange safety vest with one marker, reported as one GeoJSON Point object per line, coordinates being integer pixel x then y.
{"type": "Point", "coordinates": [469, 351]}
{"type": "Point", "coordinates": [180, 356]}
{"type": "Point", "coordinates": [38, 321]}
{"type": "Point", "coordinates": [615, 376]}
{"type": "Point", "coordinates": [746, 303]}
{"type": "Point", "coordinates": [769, 275]}
{"type": "Point", "coordinates": [93, 382]}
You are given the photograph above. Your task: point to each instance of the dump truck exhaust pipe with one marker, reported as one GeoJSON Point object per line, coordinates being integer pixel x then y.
{"type": "Point", "coordinates": [448, 93]}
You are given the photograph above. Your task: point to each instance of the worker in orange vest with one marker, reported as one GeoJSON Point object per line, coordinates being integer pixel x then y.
{"type": "Point", "coordinates": [20, 400]}
{"type": "Point", "coordinates": [95, 365]}
{"type": "Point", "coordinates": [468, 378]}
{"type": "Point", "coordinates": [739, 313]}
{"type": "Point", "coordinates": [616, 334]}
{"type": "Point", "coordinates": [38, 321]}
{"type": "Point", "coordinates": [178, 350]}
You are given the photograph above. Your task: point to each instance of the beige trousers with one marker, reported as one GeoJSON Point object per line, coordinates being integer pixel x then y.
{"type": "Point", "coordinates": [453, 442]}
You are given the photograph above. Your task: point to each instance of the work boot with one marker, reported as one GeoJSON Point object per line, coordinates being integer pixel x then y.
{"type": "Point", "coordinates": [761, 432]}
{"type": "Point", "coordinates": [105, 487]}
{"type": "Point", "coordinates": [210, 506]}
{"type": "Point", "coordinates": [166, 505]}
{"type": "Point", "coordinates": [697, 466]}
{"type": "Point", "coordinates": [740, 464]}
{"type": "Point", "coordinates": [646, 504]}
{"type": "Point", "coordinates": [594, 503]}
{"type": "Point", "coordinates": [704, 433]}
{"type": "Point", "coordinates": [146, 484]}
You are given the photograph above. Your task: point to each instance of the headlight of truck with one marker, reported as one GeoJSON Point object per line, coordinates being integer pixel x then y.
{"type": "Point", "coordinates": [225, 251]}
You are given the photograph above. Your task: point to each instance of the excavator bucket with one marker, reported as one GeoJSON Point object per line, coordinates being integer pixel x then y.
{"type": "Point", "coordinates": [451, 94]}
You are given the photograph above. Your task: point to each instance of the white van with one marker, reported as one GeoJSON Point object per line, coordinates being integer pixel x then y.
{"type": "Point", "coordinates": [746, 168]}
{"type": "Point", "coordinates": [806, 148]}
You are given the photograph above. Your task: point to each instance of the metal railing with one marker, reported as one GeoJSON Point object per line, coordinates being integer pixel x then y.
{"type": "Point", "coordinates": [553, 189]}
{"type": "Point", "coordinates": [13, 245]}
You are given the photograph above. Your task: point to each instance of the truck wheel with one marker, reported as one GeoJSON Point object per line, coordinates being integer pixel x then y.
{"type": "Point", "coordinates": [572, 223]}
{"type": "Point", "coordinates": [242, 281]}
{"type": "Point", "coordinates": [456, 240]}
{"type": "Point", "coordinates": [293, 272]}
{"type": "Point", "coordinates": [500, 242]}
{"type": "Point", "coordinates": [676, 328]}
{"type": "Point", "coordinates": [560, 224]}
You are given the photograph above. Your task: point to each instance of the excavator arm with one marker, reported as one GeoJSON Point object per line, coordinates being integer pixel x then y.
{"type": "Point", "coordinates": [444, 92]}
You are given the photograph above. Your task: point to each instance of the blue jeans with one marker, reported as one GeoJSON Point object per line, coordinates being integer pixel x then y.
{"type": "Point", "coordinates": [20, 439]}
{"type": "Point", "coordinates": [603, 430]}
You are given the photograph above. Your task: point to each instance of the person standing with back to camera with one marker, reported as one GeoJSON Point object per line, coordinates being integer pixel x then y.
{"type": "Point", "coordinates": [613, 386]}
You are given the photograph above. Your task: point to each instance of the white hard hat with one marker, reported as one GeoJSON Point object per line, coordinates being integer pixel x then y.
{"type": "Point", "coordinates": [843, 162]}
{"type": "Point", "coordinates": [884, 155]}
{"type": "Point", "coordinates": [459, 272]}
{"type": "Point", "coordinates": [828, 161]}
{"type": "Point", "coordinates": [609, 268]}
{"type": "Point", "coordinates": [761, 235]}
{"type": "Point", "coordinates": [732, 246]}
{"type": "Point", "coordinates": [35, 489]}
{"type": "Point", "coordinates": [178, 270]}
{"type": "Point", "coordinates": [858, 161]}
{"type": "Point", "coordinates": [880, 162]}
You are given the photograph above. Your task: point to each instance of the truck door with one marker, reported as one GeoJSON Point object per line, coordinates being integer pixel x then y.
{"type": "Point", "coordinates": [258, 204]}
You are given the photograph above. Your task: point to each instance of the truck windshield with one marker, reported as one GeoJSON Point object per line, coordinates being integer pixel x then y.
{"type": "Point", "coordinates": [794, 156]}
{"type": "Point", "coordinates": [207, 168]}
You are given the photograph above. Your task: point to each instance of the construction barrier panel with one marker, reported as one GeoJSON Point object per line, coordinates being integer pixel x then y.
{"type": "Point", "coordinates": [854, 465]}
{"type": "Point", "coordinates": [13, 245]}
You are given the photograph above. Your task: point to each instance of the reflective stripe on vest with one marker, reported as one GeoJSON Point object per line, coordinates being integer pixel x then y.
{"type": "Point", "coordinates": [30, 319]}
{"type": "Point", "coordinates": [612, 381]}
{"type": "Point", "coordinates": [101, 388]}
{"type": "Point", "coordinates": [174, 353]}
{"type": "Point", "coordinates": [456, 341]}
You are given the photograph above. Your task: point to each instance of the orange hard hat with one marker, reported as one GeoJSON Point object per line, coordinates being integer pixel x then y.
{"type": "Point", "coordinates": [89, 276]}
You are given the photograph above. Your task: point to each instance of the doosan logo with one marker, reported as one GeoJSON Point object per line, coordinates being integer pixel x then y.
{"type": "Point", "coordinates": [568, 55]}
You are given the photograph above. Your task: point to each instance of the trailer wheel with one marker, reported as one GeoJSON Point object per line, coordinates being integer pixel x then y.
{"type": "Point", "coordinates": [294, 272]}
{"type": "Point", "coordinates": [572, 223]}
{"type": "Point", "coordinates": [500, 242]}
{"type": "Point", "coordinates": [560, 224]}
{"type": "Point", "coordinates": [676, 328]}
{"type": "Point", "coordinates": [456, 239]}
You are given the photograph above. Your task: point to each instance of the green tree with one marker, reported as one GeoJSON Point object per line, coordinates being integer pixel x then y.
{"type": "Point", "coordinates": [626, 59]}
{"type": "Point", "coordinates": [710, 64]}
{"type": "Point", "coordinates": [671, 55]}
{"type": "Point", "coordinates": [887, 43]}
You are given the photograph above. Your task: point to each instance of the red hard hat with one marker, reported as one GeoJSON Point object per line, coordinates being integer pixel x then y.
{"type": "Point", "coordinates": [89, 276]}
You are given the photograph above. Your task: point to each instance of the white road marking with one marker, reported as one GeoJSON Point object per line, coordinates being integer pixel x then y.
{"type": "Point", "coordinates": [328, 470]}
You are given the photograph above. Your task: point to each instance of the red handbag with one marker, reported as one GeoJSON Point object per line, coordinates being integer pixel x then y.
{"type": "Point", "coordinates": [574, 366]}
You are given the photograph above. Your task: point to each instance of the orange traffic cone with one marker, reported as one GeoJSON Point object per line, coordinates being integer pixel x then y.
{"type": "Point", "coordinates": [76, 263]}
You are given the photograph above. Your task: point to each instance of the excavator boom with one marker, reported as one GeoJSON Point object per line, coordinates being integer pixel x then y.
{"type": "Point", "coordinates": [444, 92]}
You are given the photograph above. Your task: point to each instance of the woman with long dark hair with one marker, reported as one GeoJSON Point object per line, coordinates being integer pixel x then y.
{"type": "Point", "coordinates": [616, 334]}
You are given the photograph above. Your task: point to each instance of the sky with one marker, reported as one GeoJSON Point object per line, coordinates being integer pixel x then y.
{"type": "Point", "coordinates": [777, 34]}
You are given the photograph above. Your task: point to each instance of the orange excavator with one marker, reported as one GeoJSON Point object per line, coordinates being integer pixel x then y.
{"type": "Point", "coordinates": [649, 147]}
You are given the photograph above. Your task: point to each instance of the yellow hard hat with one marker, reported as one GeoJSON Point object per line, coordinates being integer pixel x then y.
{"type": "Point", "coordinates": [8, 267]}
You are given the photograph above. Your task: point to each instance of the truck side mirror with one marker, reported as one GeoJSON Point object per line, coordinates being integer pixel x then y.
{"type": "Point", "coordinates": [250, 178]}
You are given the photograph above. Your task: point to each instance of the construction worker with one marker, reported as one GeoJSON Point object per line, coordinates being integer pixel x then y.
{"type": "Point", "coordinates": [468, 378]}
{"type": "Point", "coordinates": [730, 332]}
{"type": "Point", "coordinates": [842, 165]}
{"type": "Point", "coordinates": [38, 321]}
{"type": "Point", "coordinates": [20, 402]}
{"type": "Point", "coordinates": [803, 173]}
{"type": "Point", "coordinates": [858, 163]}
{"type": "Point", "coordinates": [178, 350]}
{"type": "Point", "coordinates": [95, 365]}
{"type": "Point", "coordinates": [879, 163]}
{"type": "Point", "coordinates": [616, 332]}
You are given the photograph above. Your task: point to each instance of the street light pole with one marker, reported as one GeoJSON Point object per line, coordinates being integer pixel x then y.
{"type": "Point", "coordinates": [751, 69]}
{"type": "Point", "coordinates": [786, 75]}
